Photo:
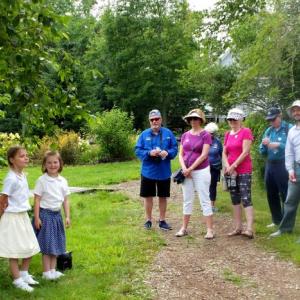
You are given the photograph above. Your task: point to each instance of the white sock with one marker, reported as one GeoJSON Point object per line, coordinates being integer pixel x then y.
{"type": "Point", "coordinates": [52, 270]}
{"type": "Point", "coordinates": [18, 280]}
{"type": "Point", "coordinates": [24, 273]}
{"type": "Point", "coordinates": [48, 273]}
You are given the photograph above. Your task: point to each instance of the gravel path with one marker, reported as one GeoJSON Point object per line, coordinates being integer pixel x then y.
{"type": "Point", "coordinates": [224, 268]}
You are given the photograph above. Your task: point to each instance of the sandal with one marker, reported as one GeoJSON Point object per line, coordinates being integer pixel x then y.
{"type": "Point", "coordinates": [235, 232]}
{"type": "Point", "coordinates": [248, 233]}
{"type": "Point", "coordinates": [209, 235]}
{"type": "Point", "coordinates": [181, 232]}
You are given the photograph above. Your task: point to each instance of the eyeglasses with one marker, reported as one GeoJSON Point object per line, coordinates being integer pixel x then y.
{"type": "Point", "coordinates": [155, 119]}
{"type": "Point", "coordinates": [231, 120]}
{"type": "Point", "coordinates": [194, 118]}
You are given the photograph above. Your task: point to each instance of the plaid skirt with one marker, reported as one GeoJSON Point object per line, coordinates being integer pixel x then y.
{"type": "Point", "coordinates": [51, 236]}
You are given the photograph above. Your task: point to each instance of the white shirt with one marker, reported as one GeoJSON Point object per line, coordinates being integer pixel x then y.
{"type": "Point", "coordinates": [52, 191]}
{"type": "Point", "coordinates": [292, 148]}
{"type": "Point", "coordinates": [15, 186]}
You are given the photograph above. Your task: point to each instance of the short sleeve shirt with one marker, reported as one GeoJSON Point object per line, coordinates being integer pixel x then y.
{"type": "Point", "coordinates": [52, 191]}
{"type": "Point", "coordinates": [192, 146]}
{"type": "Point", "coordinates": [16, 188]}
{"type": "Point", "coordinates": [234, 148]}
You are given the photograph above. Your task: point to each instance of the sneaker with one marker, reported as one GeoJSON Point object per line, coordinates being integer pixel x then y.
{"type": "Point", "coordinates": [21, 284]}
{"type": "Point", "coordinates": [271, 225]}
{"type": "Point", "coordinates": [181, 232]}
{"type": "Point", "coordinates": [148, 225]}
{"type": "Point", "coordinates": [57, 274]}
{"type": "Point", "coordinates": [276, 234]}
{"type": "Point", "coordinates": [164, 225]}
{"type": "Point", "coordinates": [29, 279]}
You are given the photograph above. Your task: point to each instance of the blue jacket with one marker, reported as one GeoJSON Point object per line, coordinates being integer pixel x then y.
{"type": "Point", "coordinates": [278, 136]}
{"type": "Point", "coordinates": [156, 168]}
{"type": "Point", "coordinates": [215, 152]}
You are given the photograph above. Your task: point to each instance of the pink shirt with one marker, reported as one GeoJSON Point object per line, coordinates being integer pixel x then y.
{"type": "Point", "coordinates": [234, 147]}
{"type": "Point", "coordinates": [190, 141]}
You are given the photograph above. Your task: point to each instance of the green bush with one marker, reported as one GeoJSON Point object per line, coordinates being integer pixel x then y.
{"type": "Point", "coordinates": [257, 123]}
{"type": "Point", "coordinates": [7, 140]}
{"type": "Point", "coordinates": [114, 133]}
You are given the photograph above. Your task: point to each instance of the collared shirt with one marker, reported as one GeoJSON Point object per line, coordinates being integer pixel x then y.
{"type": "Point", "coordinates": [156, 168]}
{"type": "Point", "coordinates": [52, 191]}
{"type": "Point", "coordinates": [292, 149]}
{"type": "Point", "coordinates": [15, 186]}
{"type": "Point", "coordinates": [276, 135]}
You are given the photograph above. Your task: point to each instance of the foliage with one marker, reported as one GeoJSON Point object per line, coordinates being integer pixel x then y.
{"type": "Point", "coordinates": [29, 31]}
{"type": "Point", "coordinates": [69, 144]}
{"type": "Point", "coordinates": [257, 123]}
{"type": "Point", "coordinates": [6, 141]}
{"type": "Point", "coordinates": [144, 44]}
{"type": "Point", "coordinates": [113, 131]}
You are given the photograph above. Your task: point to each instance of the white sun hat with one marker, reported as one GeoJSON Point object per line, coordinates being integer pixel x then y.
{"type": "Point", "coordinates": [235, 114]}
{"type": "Point", "coordinates": [296, 103]}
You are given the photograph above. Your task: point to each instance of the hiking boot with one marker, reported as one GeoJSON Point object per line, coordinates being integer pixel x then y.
{"type": "Point", "coordinates": [164, 225]}
{"type": "Point", "coordinates": [148, 225]}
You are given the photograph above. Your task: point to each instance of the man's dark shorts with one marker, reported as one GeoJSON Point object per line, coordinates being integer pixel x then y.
{"type": "Point", "coordinates": [153, 187]}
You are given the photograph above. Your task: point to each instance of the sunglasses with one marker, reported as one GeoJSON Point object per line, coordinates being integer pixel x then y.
{"type": "Point", "coordinates": [194, 118]}
{"type": "Point", "coordinates": [155, 119]}
{"type": "Point", "coordinates": [231, 120]}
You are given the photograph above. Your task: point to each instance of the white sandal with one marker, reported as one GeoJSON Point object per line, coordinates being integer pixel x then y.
{"type": "Point", "coordinates": [181, 232]}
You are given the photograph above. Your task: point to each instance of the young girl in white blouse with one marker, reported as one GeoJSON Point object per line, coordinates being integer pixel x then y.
{"type": "Point", "coordinates": [50, 194]}
{"type": "Point", "coordinates": [17, 238]}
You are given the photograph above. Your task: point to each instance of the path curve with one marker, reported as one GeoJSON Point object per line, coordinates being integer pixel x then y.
{"type": "Point", "coordinates": [224, 268]}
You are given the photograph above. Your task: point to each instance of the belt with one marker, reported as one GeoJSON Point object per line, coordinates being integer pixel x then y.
{"type": "Point", "coordinates": [275, 162]}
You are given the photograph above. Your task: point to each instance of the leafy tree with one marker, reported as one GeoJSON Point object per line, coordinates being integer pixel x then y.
{"type": "Point", "coordinates": [146, 43]}
{"type": "Point", "coordinates": [28, 31]}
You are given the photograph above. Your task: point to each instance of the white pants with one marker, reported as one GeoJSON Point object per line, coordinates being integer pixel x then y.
{"type": "Point", "coordinates": [200, 183]}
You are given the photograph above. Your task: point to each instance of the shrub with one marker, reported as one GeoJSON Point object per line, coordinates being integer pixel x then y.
{"type": "Point", "coordinates": [257, 123]}
{"type": "Point", "coordinates": [7, 140]}
{"type": "Point", "coordinates": [113, 131]}
{"type": "Point", "coordinates": [70, 145]}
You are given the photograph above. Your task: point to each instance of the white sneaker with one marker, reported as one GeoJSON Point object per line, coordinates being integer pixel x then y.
{"type": "Point", "coordinates": [57, 274]}
{"type": "Point", "coordinates": [276, 234]}
{"type": "Point", "coordinates": [29, 280]}
{"type": "Point", "coordinates": [271, 225]}
{"type": "Point", "coordinates": [21, 284]}
{"type": "Point", "coordinates": [48, 276]}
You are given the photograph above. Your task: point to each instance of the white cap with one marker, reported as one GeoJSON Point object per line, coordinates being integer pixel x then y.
{"type": "Point", "coordinates": [211, 127]}
{"type": "Point", "coordinates": [235, 114]}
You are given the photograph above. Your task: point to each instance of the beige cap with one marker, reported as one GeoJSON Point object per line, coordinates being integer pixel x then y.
{"type": "Point", "coordinates": [296, 103]}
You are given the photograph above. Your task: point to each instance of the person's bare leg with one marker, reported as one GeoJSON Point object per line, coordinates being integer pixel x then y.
{"type": "Point", "coordinates": [14, 268]}
{"type": "Point", "coordinates": [148, 205]}
{"type": "Point", "coordinates": [162, 203]}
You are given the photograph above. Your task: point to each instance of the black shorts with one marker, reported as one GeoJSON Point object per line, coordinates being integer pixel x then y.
{"type": "Point", "coordinates": [153, 187]}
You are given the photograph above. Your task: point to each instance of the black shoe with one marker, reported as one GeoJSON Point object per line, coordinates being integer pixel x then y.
{"type": "Point", "coordinates": [148, 225]}
{"type": "Point", "coordinates": [164, 225]}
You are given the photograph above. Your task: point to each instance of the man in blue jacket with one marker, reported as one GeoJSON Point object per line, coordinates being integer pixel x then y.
{"type": "Point", "coordinates": [156, 146]}
{"type": "Point", "coordinates": [276, 175]}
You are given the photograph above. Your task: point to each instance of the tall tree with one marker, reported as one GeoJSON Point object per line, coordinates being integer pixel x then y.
{"type": "Point", "coordinates": [146, 43]}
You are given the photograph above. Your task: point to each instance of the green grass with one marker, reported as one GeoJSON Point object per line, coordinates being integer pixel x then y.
{"type": "Point", "coordinates": [284, 245]}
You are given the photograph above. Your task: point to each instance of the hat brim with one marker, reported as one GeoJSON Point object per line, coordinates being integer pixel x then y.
{"type": "Point", "coordinates": [271, 117]}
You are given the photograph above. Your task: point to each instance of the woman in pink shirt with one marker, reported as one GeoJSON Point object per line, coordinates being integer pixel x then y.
{"type": "Point", "coordinates": [193, 158]}
{"type": "Point", "coordinates": [238, 170]}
